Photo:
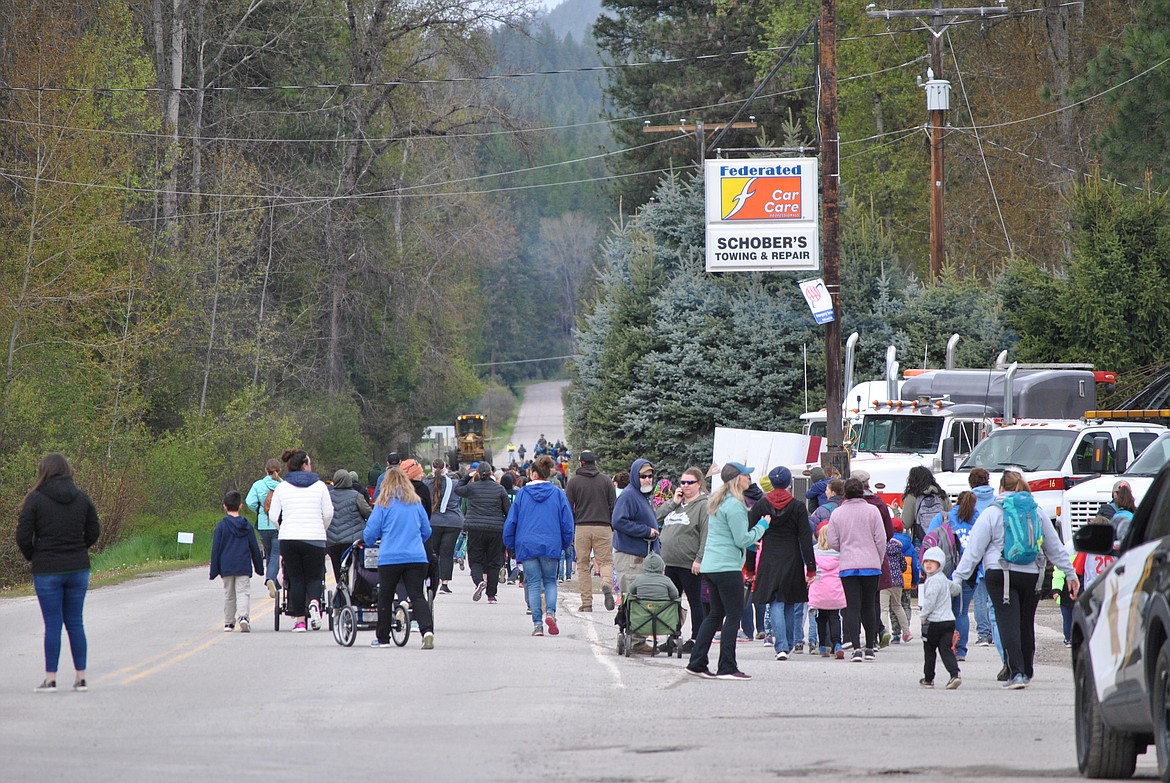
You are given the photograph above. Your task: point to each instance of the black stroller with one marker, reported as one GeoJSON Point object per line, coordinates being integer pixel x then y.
{"type": "Point", "coordinates": [355, 602]}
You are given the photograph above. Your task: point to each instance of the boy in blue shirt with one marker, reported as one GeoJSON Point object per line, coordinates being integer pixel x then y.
{"type": "Point", "coordinates": [234, 554]}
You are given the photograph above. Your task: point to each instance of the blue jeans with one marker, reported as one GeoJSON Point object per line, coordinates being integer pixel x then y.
{"type": "Point", "coordinates": [803, 619]}
{"type": "Point", "coordinates": [270, 543]}
{"type": "Point", "coordinates": [961, 604]}
{"type": "Point", "coordinates": [784, 625]}
{"type": "Point", "coordinates": [983, 622]}
{"type": "Point", "coordinates": [62, 598]}
{"type": "Point", "coordinates": [565, 565]}
{"type": "Point", "coordinates": [541, 573]}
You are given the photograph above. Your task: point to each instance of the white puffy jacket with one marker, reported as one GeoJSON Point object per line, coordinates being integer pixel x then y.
{"type": "Point", "coordinates": [303, 507]}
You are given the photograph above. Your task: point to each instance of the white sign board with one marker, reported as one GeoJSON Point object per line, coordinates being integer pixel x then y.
{"type": "Point", "coordinates": [186, 538]}
{"type": "Point", "coordinates": [819, 301]}
{"type": "Point", "coordinates": [762, 450]}
{"type": "Point", "coordinates": [762, 215]}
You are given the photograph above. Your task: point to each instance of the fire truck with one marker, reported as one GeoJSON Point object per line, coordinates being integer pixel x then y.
{"type": "Point", "coordinates": [940, 416]}
{"type": "Point", "coordinates": [1055, 456]}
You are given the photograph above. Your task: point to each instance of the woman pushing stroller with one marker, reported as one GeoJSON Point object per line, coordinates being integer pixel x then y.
{"type": "Point", "coordinates": [402, 524]}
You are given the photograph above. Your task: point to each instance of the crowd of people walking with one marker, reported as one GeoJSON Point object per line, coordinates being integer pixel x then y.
{"type": "Point", "coordinates": [751, 560]}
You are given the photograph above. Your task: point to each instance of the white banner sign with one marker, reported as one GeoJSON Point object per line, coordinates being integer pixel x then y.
{"type": "Point", "coordinates": [762, 215]}
{"type": "Point", "coordinates": [819, 301]}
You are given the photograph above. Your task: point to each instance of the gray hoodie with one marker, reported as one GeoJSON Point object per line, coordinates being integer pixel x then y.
{"type": "Point", "coordinates": [651, 585]}
{"type": "Point", "coordinates": [934, 595]}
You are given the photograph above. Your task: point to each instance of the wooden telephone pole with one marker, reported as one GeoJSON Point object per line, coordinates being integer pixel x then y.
{"type": "Point", "coordinates": [701, 131]}
{"type": "Point", "coordinates": [830, 154]}
{"type": "Point", "coordinates": [937, 102]}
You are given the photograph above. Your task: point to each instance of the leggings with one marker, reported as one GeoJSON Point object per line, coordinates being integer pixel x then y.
{"type": "Point", "coordinates": [829, 628]}
{"type": "Point", "coordinates": [1015, 616]}
{"type": "Point", "coordinates": [444, 539]}
{"type": "Point", "coordinates": [389, 577]}
{"type": "Point", "coordinates": [861, 608]}
{"type": "Point", "coordinates": [690, 585]}
{"type": "Point", "coordinates": [304, 573]}
{"type": "Point", "coordinates": [485, 555]}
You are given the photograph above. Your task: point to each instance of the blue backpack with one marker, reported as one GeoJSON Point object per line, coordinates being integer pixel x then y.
{"type": "Point", "coordinates": [1023, 529]}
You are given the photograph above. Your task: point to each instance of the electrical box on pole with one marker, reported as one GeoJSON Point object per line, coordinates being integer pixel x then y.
{"type": "Point", "coordinates": [938, 95]}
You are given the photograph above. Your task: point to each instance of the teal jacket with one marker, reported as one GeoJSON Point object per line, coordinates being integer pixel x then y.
{"type": "Point", "coordinates": [728, 536]}
{"type": "Point", "coordinates": [255, 501]}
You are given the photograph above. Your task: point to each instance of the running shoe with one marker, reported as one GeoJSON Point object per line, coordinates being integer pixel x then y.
{"type": "Point", "coordinates": [299, 628]}
{"type": "Point", "coordinates": [444, 590]}
{"type": "Point", "coordinates": [315, 615]}
{"type": "Point", "coordinates": [884, 639]}
{"type": "Point", "coordinates": [954, 682]}
{"type": "Point", "coordinates": [538, 630]}
{"type": "Point", "coordinates": [376, 643]}
{"type": "Point", "coordinates": [869, 655]}
{"type": "Point", "coordinates": [491, 599]}
{"type": "Point", "coordinates": [228, 628]}
{"type": "Point", "coordinates": [907, 636]}
{"type": "Point", "coordinates": [857, 657]}
{"type": "Point", "coordinates": [925, 683]}
{"type": "Point", "coordinates": [479, 588]}
{"type": "Point", "coordinates": [428, 641]}
{"type": "Point", "coordinates": [782, 656]}
{"type": "Point", "coordinates": [271, 588]}
{"type": "Point", "coordinates": [798, 648]}
{"type": "Point", "coordinates": [705, 673]}
{"type": "Point", "coordinates": [551, 621]}
{"type": "Point", "coordinates": [46, 687]}
{"type": "Point", "coordinates": [245, 625]}
{"type": "Point", "coordinates": [80, 686]}
{"type": "Point", "coordinates": [733, 676]}
{"type": "Point", "coordinates": [1017, 683]}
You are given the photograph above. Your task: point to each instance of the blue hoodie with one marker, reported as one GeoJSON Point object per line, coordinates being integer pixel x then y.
{"type": "Point", "coordinates": [633, 518]}
{"type": "Point", "coordinates": [539, 523]}
{"type": "Point", "coordinates": [234, 551]}
{"type": "Point", "coordinates": [909, 551]}
{"type": "Point", "coordinates": [402, 529]}
{"type": "Point", "coordinates": [984, 497]}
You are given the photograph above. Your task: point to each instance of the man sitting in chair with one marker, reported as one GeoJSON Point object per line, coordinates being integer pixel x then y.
{"type": "Point", "coordinates": [653, 585]}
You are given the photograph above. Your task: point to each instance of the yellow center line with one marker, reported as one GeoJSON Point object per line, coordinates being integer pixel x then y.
{"type": "Point", "coordinates": [174, 654]}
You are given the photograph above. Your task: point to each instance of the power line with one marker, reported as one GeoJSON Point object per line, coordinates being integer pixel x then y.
{"type": "Point", "coordinates": [1047, 162]}
{"type": "Point", "coordinates": [526, 361]}
{"type": "Point", "coordinates": [979, 141]}
{"type": "Point", "coordinates": [437, 136]}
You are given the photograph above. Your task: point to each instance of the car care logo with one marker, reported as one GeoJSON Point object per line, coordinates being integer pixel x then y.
{"type": "Point", "coordinates": [761, 198]}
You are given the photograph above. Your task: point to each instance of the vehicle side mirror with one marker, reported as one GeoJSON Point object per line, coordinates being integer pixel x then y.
{"type": "Point", "coordinates": [1094, 539]}
{"type": "Point", "coordinates": [1122, 460]}
{"type": "Point", "coordinates": [948, 455]}
{"type": "Point", "coordinates": [1100, 459]}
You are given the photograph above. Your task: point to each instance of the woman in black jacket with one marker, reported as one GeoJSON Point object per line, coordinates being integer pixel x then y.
{"type": "Point", "coordinates": [487, 506]}
{"type": "Point", "coordinates": [57, 525]}
{"type": "Point", "coordinates": [787, 564]}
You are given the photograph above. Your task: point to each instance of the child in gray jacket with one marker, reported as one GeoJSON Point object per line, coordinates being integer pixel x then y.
{"type": "Point", "coordinates": [938, 618]}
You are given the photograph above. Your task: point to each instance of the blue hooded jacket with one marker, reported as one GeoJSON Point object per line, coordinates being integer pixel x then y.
{"type": "Point", "coordinates": [539, 523]}
{"type": "Point", "coordinates": [633, 518]}
{"type": "Point", "coordinates": [402, 528]}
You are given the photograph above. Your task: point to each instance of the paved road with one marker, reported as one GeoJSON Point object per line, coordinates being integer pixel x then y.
{"type": "Point", "coordinates": [174, 698]}
{"type": "Point", "coordinates": [541, 412]}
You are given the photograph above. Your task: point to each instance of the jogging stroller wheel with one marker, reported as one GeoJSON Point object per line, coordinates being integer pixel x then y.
{"type": "Point", "coordinates": [277, 609]}
{"type": "Point", "coordinates": [345, 627]}
{"type": "Point", "coordinates": [621, 644]}
{"type": "Point", "coordinates": [400, 625]}
{"type": "Point", "coordinates": [328, 610]}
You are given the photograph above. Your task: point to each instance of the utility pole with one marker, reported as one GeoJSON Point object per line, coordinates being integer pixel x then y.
{"type": "Point", "coordinates": [830, 153]}
{"type": "Point", "coordinates": [701, 130]}
{"type": "Point", "coordinates": [937, 103]}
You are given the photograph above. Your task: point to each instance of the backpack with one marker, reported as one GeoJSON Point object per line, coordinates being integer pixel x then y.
{"type": "Point", "coordinates": [945, 539]}
{"type": "Point", "coordinates": [1023, 530]}
{"type": "Point", "coordinates": [894, 557]}
{"type": "Point", "coordinates": [928, 505]}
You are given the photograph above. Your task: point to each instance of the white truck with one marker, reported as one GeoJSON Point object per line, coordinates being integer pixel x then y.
{"type": "Point", "coordinates": [1082, 500]}
{"type": "Point", "coordinates": [1054, 456]}
{"type": "Point", "coordinates": [943, 414]}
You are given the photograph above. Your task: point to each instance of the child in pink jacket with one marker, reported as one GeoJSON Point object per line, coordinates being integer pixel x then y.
{"type": "Point", "coordinates": [827, 597]}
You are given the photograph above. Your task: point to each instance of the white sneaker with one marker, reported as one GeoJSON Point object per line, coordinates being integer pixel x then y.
{"type": "Point", "coordinates": [245, 625]}
{"type": "Point", "coordinates": [271, 588]}
{"type": "Point", "coordinates": [314, 615]}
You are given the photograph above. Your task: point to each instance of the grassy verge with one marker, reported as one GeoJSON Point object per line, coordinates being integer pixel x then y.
{"type": "Point", "coordinates": [152, 547]}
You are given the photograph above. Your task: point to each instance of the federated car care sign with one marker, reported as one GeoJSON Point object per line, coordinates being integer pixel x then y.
{"type": "Point", "coordinates": [762, 215]}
